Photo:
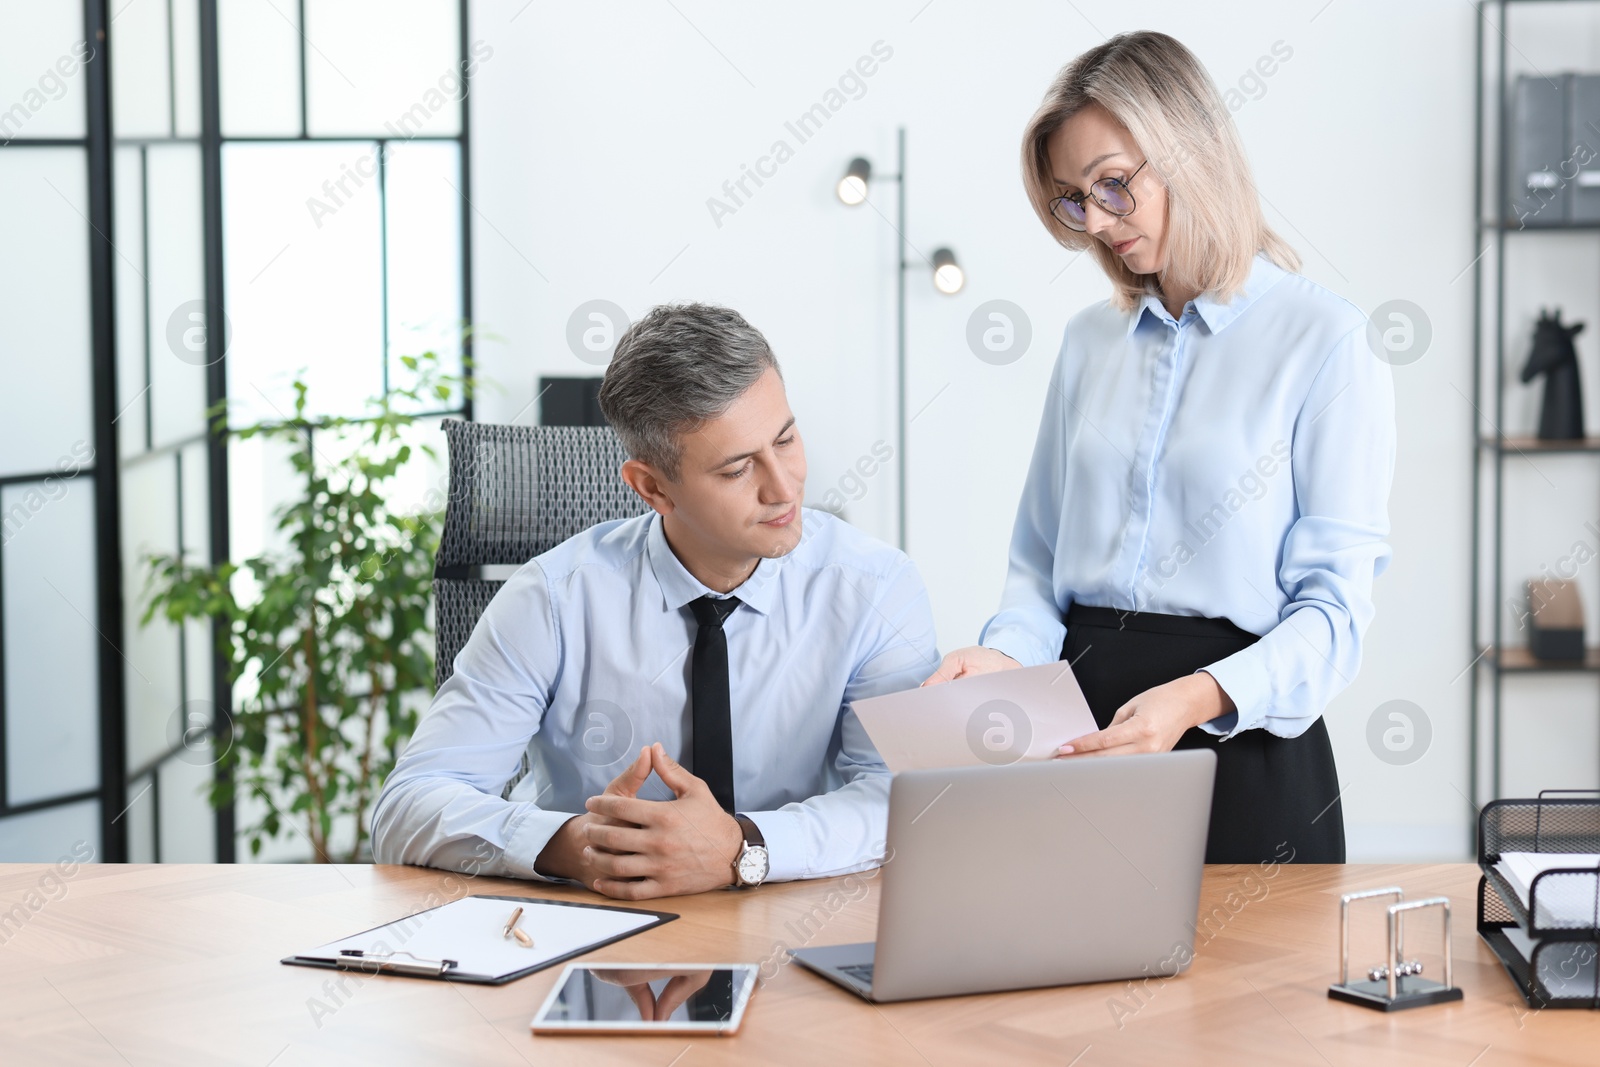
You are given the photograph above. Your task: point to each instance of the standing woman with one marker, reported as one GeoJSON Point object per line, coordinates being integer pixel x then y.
{"type": "Point", "coordinates": [1205, 508]}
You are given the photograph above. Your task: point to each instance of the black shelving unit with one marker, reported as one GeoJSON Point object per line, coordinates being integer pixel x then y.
{"type": "Point", "coordinates": [1492, 450]}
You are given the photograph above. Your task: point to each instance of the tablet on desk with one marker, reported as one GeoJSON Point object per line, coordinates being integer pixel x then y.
{"type": "Point", "coordinates": [648, 998]}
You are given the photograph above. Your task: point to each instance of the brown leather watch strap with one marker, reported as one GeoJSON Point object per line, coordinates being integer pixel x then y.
{"type": "Point", "coordinates": [752, 832]}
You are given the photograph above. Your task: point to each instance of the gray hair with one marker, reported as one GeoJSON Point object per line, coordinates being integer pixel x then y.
{"type": "Point", "coordinates": [675, 369]}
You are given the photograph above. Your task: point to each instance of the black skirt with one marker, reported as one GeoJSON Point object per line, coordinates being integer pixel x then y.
{"type": "Point", "coordinates": [1276, 798]}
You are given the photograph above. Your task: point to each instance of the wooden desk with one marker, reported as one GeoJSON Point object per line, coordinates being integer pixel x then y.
{"type": "Point", "coordinates": [179, 964]}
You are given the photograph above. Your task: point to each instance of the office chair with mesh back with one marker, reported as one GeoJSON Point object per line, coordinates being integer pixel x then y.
{"type": "Point", "coordinates": [515, 491]}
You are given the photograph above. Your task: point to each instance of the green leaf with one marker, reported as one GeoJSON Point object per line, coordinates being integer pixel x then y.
{"type": "Point", "coordinates": [343, 602]}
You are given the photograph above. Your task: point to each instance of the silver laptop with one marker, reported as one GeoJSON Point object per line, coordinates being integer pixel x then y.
{"type": "Point", "coordinates": [1034, 874]}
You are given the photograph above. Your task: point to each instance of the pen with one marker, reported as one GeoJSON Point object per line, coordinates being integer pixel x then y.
{"type": "Point", "coordinates": [511, 928]}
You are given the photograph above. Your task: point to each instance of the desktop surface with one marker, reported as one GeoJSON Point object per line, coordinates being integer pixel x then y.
{"type": "Point", "coordinates": [177, 963]}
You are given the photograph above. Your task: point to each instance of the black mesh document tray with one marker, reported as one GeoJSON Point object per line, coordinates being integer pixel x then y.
{"type": "Point", "coordinates": [1548, 945]}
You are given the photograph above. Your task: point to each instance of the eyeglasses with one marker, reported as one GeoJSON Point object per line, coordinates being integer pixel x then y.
{"type": "Point", "coordinates": [1112, 194]}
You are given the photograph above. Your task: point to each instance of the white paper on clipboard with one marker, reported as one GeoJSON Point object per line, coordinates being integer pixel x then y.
{"type": "Point", "coordinates": [470, 933]}
{"type": "Point", "coordinates": [1026, 713]}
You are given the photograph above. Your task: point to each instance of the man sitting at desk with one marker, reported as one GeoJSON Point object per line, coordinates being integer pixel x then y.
{"type": "Point", "coordinates": [728, 629]}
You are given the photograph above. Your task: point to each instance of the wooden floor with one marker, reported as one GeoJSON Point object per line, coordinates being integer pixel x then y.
{"type": "Point", "coordinates": [179, 964]}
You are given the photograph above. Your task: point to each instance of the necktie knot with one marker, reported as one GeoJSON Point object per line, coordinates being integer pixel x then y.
{"type": "Point", "coordinates": [713, 611]}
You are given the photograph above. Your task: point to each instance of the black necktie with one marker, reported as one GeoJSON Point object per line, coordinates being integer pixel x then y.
{"type": "Point", "coordinates": [713, 718]}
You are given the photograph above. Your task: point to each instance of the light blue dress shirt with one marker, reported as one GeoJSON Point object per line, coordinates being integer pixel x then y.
{"type": "Point", "coordinates": [1233, 463]}
{"type": "Point", "coordinates": [584, 656]}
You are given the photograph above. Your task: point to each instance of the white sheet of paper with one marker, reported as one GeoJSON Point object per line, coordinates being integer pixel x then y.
{"type": "Point", "coordinates": [996, 719]}
{"type": "Point", "coordinates": [469, 931]}
{"type": "Point", "coordinates": [1563, 900]}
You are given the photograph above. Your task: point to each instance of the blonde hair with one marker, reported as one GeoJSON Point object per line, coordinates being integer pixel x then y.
{"type": "Point", "coordinates": [1159, 92]}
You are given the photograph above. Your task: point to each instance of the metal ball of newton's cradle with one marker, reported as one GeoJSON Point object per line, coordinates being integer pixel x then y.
{"type": "Point", "coordinates": [1380, 974]}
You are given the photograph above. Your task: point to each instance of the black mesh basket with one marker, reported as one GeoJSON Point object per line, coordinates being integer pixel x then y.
{"type": "Point", "coordinates": [1548, 945]}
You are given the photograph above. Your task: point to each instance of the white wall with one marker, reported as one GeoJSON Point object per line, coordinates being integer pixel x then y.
{"type": "Point", "coordinates": [600, 131]}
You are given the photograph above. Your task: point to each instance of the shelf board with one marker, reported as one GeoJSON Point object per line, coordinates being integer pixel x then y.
{"type": "Point", "coordinates": [1517, 658]}
{"type": "Point", "coordinates": [1539, 227]}
{"type": "Point", "coordinates": [1534, 444]}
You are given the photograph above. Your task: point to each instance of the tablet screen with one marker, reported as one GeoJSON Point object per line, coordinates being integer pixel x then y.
{"type": "Point", "coordinates": [689, 998]}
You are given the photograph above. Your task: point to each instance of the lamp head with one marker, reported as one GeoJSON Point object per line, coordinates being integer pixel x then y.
{"type": "Point", "coordinates": [948, 277]}
{"type": "Point", "coordinates": [852, 188]}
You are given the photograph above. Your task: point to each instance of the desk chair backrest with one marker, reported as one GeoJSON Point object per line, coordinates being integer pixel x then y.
{"type": "Point", "coordinates": [516, 491]}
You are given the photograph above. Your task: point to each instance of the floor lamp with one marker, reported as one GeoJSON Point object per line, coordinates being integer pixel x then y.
{"type": "Point", "coordinates": [948, 278]}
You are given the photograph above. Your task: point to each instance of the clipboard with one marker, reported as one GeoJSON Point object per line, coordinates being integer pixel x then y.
{"type": "Point", "coordinates": [464, 940]}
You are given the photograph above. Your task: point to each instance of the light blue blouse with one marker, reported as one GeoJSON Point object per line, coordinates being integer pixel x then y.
{"type": "Point", "coordinates": [1233, 463]}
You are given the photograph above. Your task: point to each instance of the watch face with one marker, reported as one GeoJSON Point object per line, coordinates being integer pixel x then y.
{"type": "Point", "coordinates": [753, 865]}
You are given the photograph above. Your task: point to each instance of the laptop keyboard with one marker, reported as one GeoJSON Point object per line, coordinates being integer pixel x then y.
{"type": "Point", "coordinates": [861, 972]}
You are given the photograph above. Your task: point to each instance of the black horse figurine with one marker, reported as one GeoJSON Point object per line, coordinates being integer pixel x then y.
{"type": "Point", "coordinates": [1555, 356]}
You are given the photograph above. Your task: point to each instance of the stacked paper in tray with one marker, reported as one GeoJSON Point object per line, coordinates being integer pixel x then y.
{"type": "Point", "coordinates": [1566, 968]}
{"type": "Point", "coordinates": [1567, 901]}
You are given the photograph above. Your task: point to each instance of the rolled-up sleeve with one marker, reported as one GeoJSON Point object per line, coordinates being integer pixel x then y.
{"type": "Point", "coordinates": [441, 806]}
{"type": "Point", "coordinates": [1343, 465]}
{"type": "Point", "coordinates": [1028, 627]}
{"type": "Point", "coordinates": [844, 829]}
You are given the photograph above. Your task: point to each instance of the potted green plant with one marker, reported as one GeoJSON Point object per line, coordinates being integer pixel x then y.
{"type": "Point", "coordinates": [330, 635]}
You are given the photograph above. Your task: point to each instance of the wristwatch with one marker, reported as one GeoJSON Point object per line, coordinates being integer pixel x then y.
{"type": "Point", "coordinates": [750, 866]}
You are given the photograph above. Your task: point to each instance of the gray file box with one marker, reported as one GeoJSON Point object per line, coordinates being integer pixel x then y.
{"type": "Point", "coordinates": [1583, 135]}
{"type": "Point", "coordinates": [1537, 191]}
